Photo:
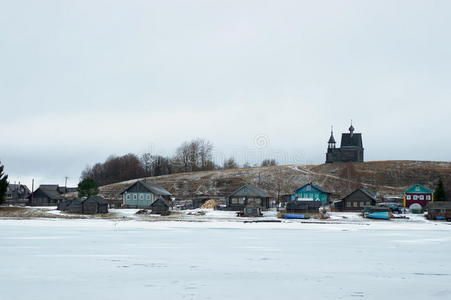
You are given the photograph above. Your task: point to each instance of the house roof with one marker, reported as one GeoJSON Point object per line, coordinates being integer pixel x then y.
{"type": "Point", "coordinates": [98, 199]}
{"type": "Point", "coordinates": [250, 191]}
{"type": "Point", "coordinates": [418, 188]}
{"type": "Point", "coordinates": [369, 193]}
{"type": "Point", "coordinates": [12, 187]}
{"type": "Point", "coordinates": [49, 186]}
{"type": "Point", "coordinates": [51, 191]}
{"type": "Point", "coordinates": [313, 186]}
{"type": "Point", "coordinates": [151, 187]}
{"type": "Point", "coordinates": [160, 201]}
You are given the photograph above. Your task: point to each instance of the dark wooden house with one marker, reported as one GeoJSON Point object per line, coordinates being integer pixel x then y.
{"type": "Point", "coordinates": [439, 210]}
{"type": "Point", "coordinates": [351, 148]}
{"type": "Point", "coordinates": [160, 207]}
{"type": "Point", "coordinates": [356, 200]}
{"type": "Point", "coordinates": [17, 194]}
{"type": "Point", "coordinates": [45, 195]}
{"type": "Point", "coordinates": [94, 205]}
{"type": "Point", "coordinates": [247, 194]}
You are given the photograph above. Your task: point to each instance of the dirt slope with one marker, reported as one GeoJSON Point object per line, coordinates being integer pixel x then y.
{"type": "Point", "coordinates": [385, 177]}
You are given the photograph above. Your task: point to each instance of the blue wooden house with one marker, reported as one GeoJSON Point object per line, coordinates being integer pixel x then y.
{"type": "Point", "coordinates": [142, 194]}
{"type": "Point", "coordinates": [310, 192]}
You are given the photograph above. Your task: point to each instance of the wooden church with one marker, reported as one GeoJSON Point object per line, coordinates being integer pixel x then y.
{"type": "Point", "coordinates": [351, 148]}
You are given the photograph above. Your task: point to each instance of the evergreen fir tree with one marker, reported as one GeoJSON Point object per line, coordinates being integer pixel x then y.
{"type": "Point", "coordinates": [87, 187]}
{"type": "Point", "coordinates": [3, 184]}
{"type": "Point", "coordinates": [439, 193]}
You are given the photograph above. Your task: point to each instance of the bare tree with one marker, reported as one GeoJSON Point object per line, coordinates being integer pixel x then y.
{"type": "Point", "coordinates": [230, 163]}
{"type": "Point", "coordinates": [269, 162]}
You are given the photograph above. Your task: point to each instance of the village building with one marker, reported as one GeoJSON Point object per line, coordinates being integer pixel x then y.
{"type": "Point", "coordinates": [303, 207]}
{"type": "Point", "coordinates": [88, 205]}
{"type": "Point", "coordinates": [45, 195]}
{"type": "Point", "coordinates": [311, 192]}
{"type": "Point", "coordinates": [16, 193]}
{"type": "Point", "coordinates": [64, 204]}
{"type": "Point", "coordinates": [417, 194]}
{"type": "Point", "coordinates": [75, 206]}
{"type": "Point", "coordinates": [247, 194]}
{"type": "Point", "coordinates": [356, 200]}
{"type": "Point", "coordinates": [94, 205]}
{"type": "Point", "coordinates": [142, 194]}
{"type": "Point", "coordinates": [439, 210]}
{"type": "Point", "coordinates": [351, 148]}
{"type": "Point", "coordinates": [49, 195]}
{"type": "Point", "coordinates": [160, 207]}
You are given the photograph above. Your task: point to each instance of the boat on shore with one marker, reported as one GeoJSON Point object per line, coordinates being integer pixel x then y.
{"type": "Point", "coordinates": [295, 216]}
{"type": "Point", "coordinates": [381, 215]}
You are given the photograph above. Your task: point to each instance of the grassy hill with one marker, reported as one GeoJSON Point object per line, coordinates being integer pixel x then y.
{"type": "Point", "coordinates": [386, 177]}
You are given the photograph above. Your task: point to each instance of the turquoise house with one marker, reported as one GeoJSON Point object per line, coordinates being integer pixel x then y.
{"type": "Point", "coordinates": [310, 192]}
{"type": "Point", "coordinates": [142, 194]}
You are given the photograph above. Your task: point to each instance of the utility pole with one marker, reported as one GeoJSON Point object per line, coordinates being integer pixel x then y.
{"type": "Point", "coordinates": [32, 190]}
{"type": "Point", "coordinates": [65, 184]}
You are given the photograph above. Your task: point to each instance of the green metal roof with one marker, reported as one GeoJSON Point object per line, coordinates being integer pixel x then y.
{"type": "Point", "coordinates": [418, 188]}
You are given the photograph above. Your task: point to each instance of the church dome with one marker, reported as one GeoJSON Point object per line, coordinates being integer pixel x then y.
{"type": "Point", "coordinates": [331, 139]}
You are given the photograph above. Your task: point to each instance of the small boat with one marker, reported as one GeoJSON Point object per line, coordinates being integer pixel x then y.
{"type": "Point", "coordinates": [295, 216]}
{"type": "Point", "coordinates": [380, 215]}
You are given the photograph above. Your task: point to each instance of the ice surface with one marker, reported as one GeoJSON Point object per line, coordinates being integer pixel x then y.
{"type": "Point", "coordinates": [131, 259]}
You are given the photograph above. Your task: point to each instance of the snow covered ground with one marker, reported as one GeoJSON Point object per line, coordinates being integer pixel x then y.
{"type": "Point", "coordinates": [133, 259]}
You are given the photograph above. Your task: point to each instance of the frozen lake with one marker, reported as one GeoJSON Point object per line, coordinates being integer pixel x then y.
{"type": "Point", "coordinates": [104, 259]}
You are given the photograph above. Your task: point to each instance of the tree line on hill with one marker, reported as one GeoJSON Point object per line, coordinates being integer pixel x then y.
{"type": "Point", "coordinates": [190, 156]}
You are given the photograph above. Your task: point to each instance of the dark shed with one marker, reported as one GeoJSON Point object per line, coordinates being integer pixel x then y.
{"type": "Point", "coordinates": [303, 206]}
{"type": "Point", "coordinates": [439, 210]}
{"type": "Point", "coordinates": [246, 194]}
{"type": "Point", "coordinates": [95, 205]}
{"type": "Point", "coordinates": [63, 205]}
{"type": "Point", "coordinates": [75, 206]}
{"type": "Point", "coordinates": [160, 207]}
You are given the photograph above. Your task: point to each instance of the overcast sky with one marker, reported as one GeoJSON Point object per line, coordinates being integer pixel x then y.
{"type": "Point", "coordinates": [80, 80]}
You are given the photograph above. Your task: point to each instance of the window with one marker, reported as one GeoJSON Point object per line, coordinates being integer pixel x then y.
{"type": "Point", "coordinates": [141, 196]}
{"type": "Point", "coordinates": [258, 201]}
{"type": "Point", "coordinates": [408, 197]}
{"type": "Point", "coordinates": [241, 200]}
{"type": "Point", "coordinates": [148, 196]}
{"type": "Point", "coordinates": [348, 204]}
{"type": "Point", "coordinates": [355, 204]}
{"type": "Point", "coordinates": [127, 196]}
{"type": "Point", "coordinates": [428, 197]}
{"type": "Point", "coordinates": [135, 197]}
{"type": "Point", "coordinates": [415, 197]}
{"type": "Point", "coordinates": [234, 201]}
{"type": "Point", "coordinates": [421, 197]}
